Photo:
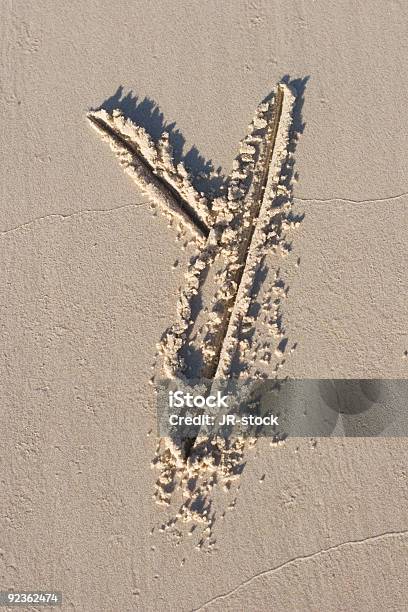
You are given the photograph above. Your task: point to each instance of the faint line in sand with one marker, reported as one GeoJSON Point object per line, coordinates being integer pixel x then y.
{"type": "Point", "coordinates": [62, 216]}
{"type": "Point", "coordinates": [351, 201]}
{"type": "Point", "coordinates": [106, 210]}
{"type": "Point", "coordinates": [300, 558]}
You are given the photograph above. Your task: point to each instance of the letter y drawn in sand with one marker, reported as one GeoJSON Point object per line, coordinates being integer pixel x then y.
{"type": "Point", "coordinates": [232, 232]}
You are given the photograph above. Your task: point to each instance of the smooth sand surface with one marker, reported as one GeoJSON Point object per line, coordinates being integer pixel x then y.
{"type": "Point", "coordinates": [88, 288]}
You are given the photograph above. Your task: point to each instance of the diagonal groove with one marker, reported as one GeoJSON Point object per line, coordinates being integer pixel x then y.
{"type": "Point", "coordinates": [263, 190]}
{"type": "Point", "coordinates": [210, 368]}
{"type": "Point", "coordinates": [187, 212]}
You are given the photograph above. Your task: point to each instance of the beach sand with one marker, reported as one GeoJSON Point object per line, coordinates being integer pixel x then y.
{"type": "Point", "coordinates": [91, 276]}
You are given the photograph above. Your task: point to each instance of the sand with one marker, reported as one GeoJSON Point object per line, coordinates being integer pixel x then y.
{"type": "Point", "coordinates": [92, 275]}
